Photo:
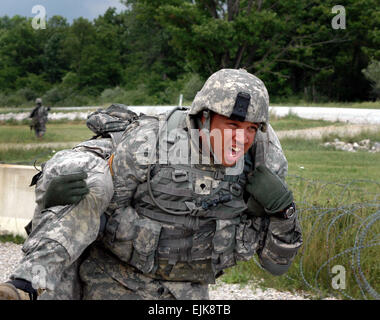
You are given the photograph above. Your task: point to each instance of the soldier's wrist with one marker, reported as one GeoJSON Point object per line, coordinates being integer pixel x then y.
{"type": "Point", "coordinates": [286, 213]}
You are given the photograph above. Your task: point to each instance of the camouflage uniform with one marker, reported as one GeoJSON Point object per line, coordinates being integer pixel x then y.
{"type": "Point", "coordinates": [39, 117]}
{"type": "Point", "coordinates": [61, 234]}
{"type": "Point", "coordinates": [111, 257]}
{"type": "Point", "coordinates": [147, 252]}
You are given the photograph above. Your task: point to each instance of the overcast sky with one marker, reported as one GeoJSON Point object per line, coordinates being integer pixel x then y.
{"type": "Point", "coordinates": [69, 9]}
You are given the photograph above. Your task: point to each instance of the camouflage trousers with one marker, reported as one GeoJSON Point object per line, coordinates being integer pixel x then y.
{"type": "Point", "coordinates": [105, 277]}
{"type": "Point", "coordinates": [61, 234]}
{"type": "Point", "coordinates": [39, 128]}
{"type": "Point", "coordinates": [101, 276]}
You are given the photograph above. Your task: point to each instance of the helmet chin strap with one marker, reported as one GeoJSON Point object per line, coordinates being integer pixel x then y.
{"type": "Point", "coordinates": [206, 127]}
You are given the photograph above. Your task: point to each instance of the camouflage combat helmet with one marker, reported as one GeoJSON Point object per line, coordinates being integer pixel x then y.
{"type": "Point", "coordinates": [38, 101]}
{"type": "Point", "coordinates": [236, 94]}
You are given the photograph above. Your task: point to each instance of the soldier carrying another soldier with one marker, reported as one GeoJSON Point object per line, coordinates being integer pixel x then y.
{"type": "Point", "coordinates": [148, 214]}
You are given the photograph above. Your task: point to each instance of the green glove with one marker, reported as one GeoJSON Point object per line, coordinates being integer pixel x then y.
{"type": "Point", "coordinates": [269, 195]}
{"type": "Point", "coordinates": [66, 189]}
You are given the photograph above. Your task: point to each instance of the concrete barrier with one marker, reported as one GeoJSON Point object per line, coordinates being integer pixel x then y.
{"type": "Point", "coordinates": [17, 199]}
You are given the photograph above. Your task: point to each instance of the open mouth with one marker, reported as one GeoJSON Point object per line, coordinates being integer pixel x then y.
{"type": "Point", "coordinates": [233, 154]}
{"type": "Point", "coordinates": [235, 150]}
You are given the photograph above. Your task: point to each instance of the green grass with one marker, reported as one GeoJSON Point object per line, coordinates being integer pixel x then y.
{"type": "Point", "coordinates": [293, 122]}
{"type": "Point", "coordinates": [73, 131]}
{"type": "Point", "coordinates": [55, 132]}
{"type": "Point", "coordinates": [311, 160]}
{"type": "Point", "coordinates": [11, 238]}
{"type": "Point", "coordinates": [29, 109]}
{"type": "Point", "coordinates": [27, 122]}
{"type": "Point", "coordinates": [27, 157]}
{"type": "Point", "coordinates": [335, 191]}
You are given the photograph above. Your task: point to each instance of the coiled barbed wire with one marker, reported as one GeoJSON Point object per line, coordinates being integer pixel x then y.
{"type": "Point", "coordinates": [339, 210]}
{"type": "Point", "coordinates": [347, 216]}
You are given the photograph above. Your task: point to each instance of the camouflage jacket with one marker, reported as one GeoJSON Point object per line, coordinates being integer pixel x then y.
{"type": "Point", "coordinates": [241, 235]}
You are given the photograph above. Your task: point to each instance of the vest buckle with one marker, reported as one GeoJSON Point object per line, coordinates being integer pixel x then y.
{"type": "Point", "coordinates": [179, 176]}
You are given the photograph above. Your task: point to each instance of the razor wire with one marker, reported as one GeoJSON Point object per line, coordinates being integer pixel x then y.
{"type": "Point", "coordinates": [347, 216]}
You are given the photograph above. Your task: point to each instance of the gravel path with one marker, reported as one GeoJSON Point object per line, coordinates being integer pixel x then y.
{"type": "Point", "coordinates": [10, 254]}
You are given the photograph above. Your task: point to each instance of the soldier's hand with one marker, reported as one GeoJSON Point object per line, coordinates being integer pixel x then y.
{"type": "Point", "coordinates": [269, 195]}
{"type": "Point", "coordinates": [66, 189]}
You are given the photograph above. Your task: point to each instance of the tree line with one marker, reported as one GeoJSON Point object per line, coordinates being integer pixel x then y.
{"type": "Point", "coordinates": [152, 51]}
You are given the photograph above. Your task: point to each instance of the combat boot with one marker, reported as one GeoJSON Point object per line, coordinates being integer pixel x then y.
{"type": "Point", "coordinates": [9, 292]}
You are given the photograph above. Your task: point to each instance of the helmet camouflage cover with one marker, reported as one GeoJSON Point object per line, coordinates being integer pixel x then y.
{"type": "Point", "coordinates": [38, 101]}
{"type": "Point", "coordinates": [234, 93]}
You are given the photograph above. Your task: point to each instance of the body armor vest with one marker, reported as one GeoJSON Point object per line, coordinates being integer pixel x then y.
{"type": "Point", "coordinates": [200, 231]}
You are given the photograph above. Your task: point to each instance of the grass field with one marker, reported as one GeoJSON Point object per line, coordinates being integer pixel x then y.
{"type": "Point", "coordinates": [311, 160]}
{"type": "Point", "coordinates": [293, 122]}
{"type": "Point", "coordinates": [338, 199]}
{"type": "Point", "coordinates": [56, 132]}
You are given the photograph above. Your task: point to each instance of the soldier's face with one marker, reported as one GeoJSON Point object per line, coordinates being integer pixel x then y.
{"type": "Point", "coordinates": [231, 139]}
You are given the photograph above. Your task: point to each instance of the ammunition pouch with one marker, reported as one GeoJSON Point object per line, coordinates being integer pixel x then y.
{"type": "Point", "coordinates": [283, 239]}
{"type": "Point", "coordinates": [247, 239]}
{"type": "Point", "coordinates": [224, 244]}
{"type": "Point", "coordinates": [119, 233]}
{"type": "Point", "coordinates": [145, 244]}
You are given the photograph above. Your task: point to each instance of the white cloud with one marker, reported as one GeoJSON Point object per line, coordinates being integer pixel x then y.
{"type": "Point", "coordinates": [96, 8]}
{"type": "Point", "coordinates": [70, 9]}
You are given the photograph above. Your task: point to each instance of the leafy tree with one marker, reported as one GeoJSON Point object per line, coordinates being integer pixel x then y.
{"type": "Point", "coordinates": [289, 44]}
{"type": "Point", "coordinates": [372, 73]}
{"type": "Point", "coordinates": [155, 49]}
{"type": "Point", "coordinates": [20, 51]}
{"type": "Point", "coordinates": [55, 62]}
{"type": "Point", "coordinates": [151, 60]}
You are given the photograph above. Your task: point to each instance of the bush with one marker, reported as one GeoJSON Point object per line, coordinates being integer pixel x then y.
{"type": "Point", "coordinates": [77, 100]}
{"type": "Point", "coordinates": [35, 83]}
{"type": "Point", "coordinates": [137, 97]}
{"type": "Point", "coordinates": [372, 73]}
{"type": "Point", "coordinates": [63, 95]}
{"type": "Point", "coordinates": [113, 95]}
{"type": "Point", "coordinates": [192, 84]}
{"type": "Point", "coordinates": [12, 100]}
{"type": "Point", "coordinates": [57, 95]}
{"type": "Point", "coordinates": [28, 94]}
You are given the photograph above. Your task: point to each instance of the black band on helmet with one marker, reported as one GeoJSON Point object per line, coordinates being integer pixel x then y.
{"type": "Point", "coordinates": [241, 107]}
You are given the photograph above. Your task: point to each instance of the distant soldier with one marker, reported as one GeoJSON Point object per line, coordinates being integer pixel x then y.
{"type": "Point", "coordinates": [39, 117]}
